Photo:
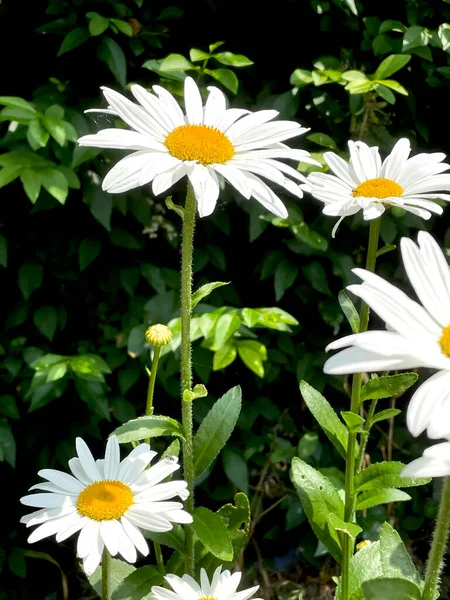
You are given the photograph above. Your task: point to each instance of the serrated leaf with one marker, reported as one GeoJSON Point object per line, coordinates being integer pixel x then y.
{"type": "Point", "coordinates": [384, 587]}
{"type": "Point", "coordinates": [46, 320]}
{"type": "Point", "coordinates": [148, 427]}
{"type": "Point", "coordinates": [385, 475]}
{"type": "Point", "coordinates": [215, 429]}
{"type": "Point", "coordinates": [383, 496]}
{"type": "Point", "coordinates": [390, 65]}
{"type": "Point", "coordinates": [387, 386]}
{"type": "Point", "coordinates": [324, 414]}
{"type": "Point", "coordinates": [205, 290]}
{"type": "Point", "coordinates": [211, 531]}
{"type": "Point", "coordinates": [319, 498]}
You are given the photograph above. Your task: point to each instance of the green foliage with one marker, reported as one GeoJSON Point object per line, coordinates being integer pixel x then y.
{"type": "Point", "coordinates": [387, 386]}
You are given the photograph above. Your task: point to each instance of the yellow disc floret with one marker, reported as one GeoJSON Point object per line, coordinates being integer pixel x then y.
{"type": "Point", "coordinates": [378, 188]}
{"type": "Point", "coordinates": [445, 341]}
{"type": "Point", "coordinates": [201, 143]}
{"type": "Point", "coordinates": [105, 500]}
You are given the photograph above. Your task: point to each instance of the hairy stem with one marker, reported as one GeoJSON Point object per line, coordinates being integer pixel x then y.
{"type": "Point", "coordinates": [106, 575]}
{"type": "Point", "coordinates": [151, 382]}
{"type": "Point", "coordinates": [187, 248]}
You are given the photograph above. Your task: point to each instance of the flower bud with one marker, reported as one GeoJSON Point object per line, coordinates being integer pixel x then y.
{"type": "Point", "coordinates": [158, 335]}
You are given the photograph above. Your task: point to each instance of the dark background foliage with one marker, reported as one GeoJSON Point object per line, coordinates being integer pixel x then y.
{"type": "Point", "coordinates": [86, 277]}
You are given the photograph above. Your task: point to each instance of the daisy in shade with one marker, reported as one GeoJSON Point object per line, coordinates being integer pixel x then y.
{"type": "Point", "coordinates": [418, 334]}
{"type": "Point", "coordinates": [222, 587]}
{"type": "Point", "coordinates": [365, 183]}
{"type": "Point", "coordinates": [435, 462]}
{"type": "Point", "coordinates": [107, 501]}
{"type": "Point", "coordinates": [206, 144]}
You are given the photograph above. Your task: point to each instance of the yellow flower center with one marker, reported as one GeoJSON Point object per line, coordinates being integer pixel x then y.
{"type": "Point", "coordinates": [105, 500]}
{"type": "Point", "coordinates": [199, 142]}
{"type": "Point", "coordinates": [445, 341]}
{"type": "Point", "coordinates": [378, 188]}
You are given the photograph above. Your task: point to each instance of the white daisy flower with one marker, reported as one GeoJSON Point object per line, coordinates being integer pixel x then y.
{"type": "Point", "coordinates": [418, 335]}
{"type": "Point", "coordinates": [435, 462]}
{"type": "Point", "coordinates": [108, 501]}
{"type": "Point", "coordinates": [365, 183]}
{"type": "Point", "coordinates": [222, 587]}
{"type": "Point", "coordinates": [205, 144]}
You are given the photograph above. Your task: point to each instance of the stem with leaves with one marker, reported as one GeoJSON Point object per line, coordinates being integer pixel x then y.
{"type": "Point", "coordinates": [351, 465]}
{"type": "Point", "coordinates": [438, 545]}
{"type": "Point", "coordinates": [187, 248]}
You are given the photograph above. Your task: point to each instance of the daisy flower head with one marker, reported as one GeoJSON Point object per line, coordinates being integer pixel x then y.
{"type": "Point", "coordinates": [418, 334]}
{"type": "Point", "coordinates": [107, 501]}
{"type": "Point", "coordinates": [435, 462]}
{"type": "Point", "coordinates": [206, 143]}
{"type": "Point", "coordinates": [223, 586]}
{"type": "Point", "coordinates": [366, 183]}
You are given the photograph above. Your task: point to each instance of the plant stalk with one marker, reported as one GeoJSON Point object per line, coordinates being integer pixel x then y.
{"type": "Point", "coordinates": [350, 463]}
{"type": "Point", "coordinates": [106, 575]}
{"type": "Point", "coordinates": [438, 545]}
{"type": "Point", "coordinates": [187, 248]}
{"type": "Point", "coordinates": [151, 382]}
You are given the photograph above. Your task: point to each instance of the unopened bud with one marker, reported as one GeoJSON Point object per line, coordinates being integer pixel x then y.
{"type": "Point", "coordinates": [158, 335]}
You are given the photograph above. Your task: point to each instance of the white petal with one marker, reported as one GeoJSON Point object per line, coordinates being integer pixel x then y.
{"type": "Point", "coordinates": [162, 594]}
{"type": "Point", "coordinates": [164, 181]}
{"type": "Point", "coordinates": [88, 538]}
{"type": "Point", "coordinates": [206, 188]}
{"type": "Point", "coordinates": [265, 196]}
{"type": "Point", "coordinates": [189, 590]}
{"type": "Point", "coordinates": [236, 177]}
{"type": "Point", "coordinates": [245, 594]}
{"type": "Point", "coordinates": [125, 175]}
{"type": "Point", "coordinates": [259, 168]}
{"type": "Point", "coordinates": [48, 500]}
{"type": "Point", "coordinates": [158, 164]}
{"type": "Point", "coordinates": [251, 122]}
{"type": "Point", "coordinates": [193, 102]}
{"type": "Point", "coordinates": [172, 106]}
{"type": "Point", "coordinates": [426, 408]}
{"type": "Point", "coordinates": [126, 548]}
{"type": "Point", "coordinates": [111, 531]}
{"type": "Point", "coordinates": [122, 139]}
{"type": "Point", "coordinates": [426, 467]}
{"type": "Point", "coordinates": [340, 168]}
{"type": "Point", "coordinates": [178, 516]}
{"type": "Point", "coordinates": [135, 536]}
{"type": "Point", "coordinates": [162, 491]}
{"type": "Point", "coordinates": [78, 471]}
{"type": "Point", "coordinates": [130, 470]}
{"type": "Point", "coordinates": [157, 473]}
{"type": "Point", "coordinates": [135, 116]}
{"type": "Point", "coordinates": [356, 161]}
{"type": "Point", "coordinates": [155, 111]}
{"type": "Point", "coordinates": [87, 460]}
{"type": "Point", "coordinates": [94, 557]}
{"type": "Point", "coordinates": [49, 528]}
{"type": "Point", "coordinates": [148, 521]}
{"type": "Point", "coordinates": [72, 526]}
{"type": "Point", "coordinates": [112, 458]}
{"type": "Point", "coordinates": [215, 106]}
{"type": "Point", "coordinates": [395, 162]}
{"type": "Point", "coordinates": [62, 480]}
{"type": "Point", "coordinates": [229, 117]}
{"type": "Point", "coordinates": [268, 134]}
{"type": "Point", "coordinates": [358, 360]}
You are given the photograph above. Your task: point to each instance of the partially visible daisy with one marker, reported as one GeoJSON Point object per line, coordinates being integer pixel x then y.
{"type": "Point", "coordinates": [435, 462]}
{"type": "Point", "coordinates": [418, 335]}
{"type": "Point", "coordinates": [205, 144]}
{"type": "Point", "coordinates": [108, 501]}
{"type": "Point", "coordinates": [365, 183]}
{"type": "Point", "coordinates": [223, 586]}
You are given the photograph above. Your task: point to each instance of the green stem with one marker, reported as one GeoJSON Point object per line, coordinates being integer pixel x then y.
{"type": "Point", "coordinates": [151, 382]}
{"type": "Point", "coordinates": [106, 575]}
{"type": "Point", "coordinates": [159, 558]}
{"type": "Point", "coordinates": [350, 463]}
{"type": "Point", "coordinates": [187, 248]}
{"type": "Point", "coordinates": [438, 546]}
{"type": "Point", "coordinates": [365, 434]}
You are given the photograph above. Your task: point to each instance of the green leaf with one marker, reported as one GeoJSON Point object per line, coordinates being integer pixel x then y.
{"type": "Point", "coordinates": [225, 328]}
{"type": "Point", "coordinates": [389, 413]}
{"type": "Point", "coordinates": [88, 251]}
{"type": "Point", "coordinates": [7, 444]}
{"type": "Point", "coordinates": [112, 54]}
{"type": "Point", "coordinates": [351, 529]}
{"type": "Point", "coordinates": [414, 37]}
{"type": "Point", "coordinates": [37, 135]}
{"type": "Point", "coordinates": [233, 60]}
{"type": "Point", "coordinates": [55, 183]}
{"type": "Point", "coordinates": [236, 468]}
{"type": "Point", "coordinates": [354, 76]}
{"type": "Point", "coordinates": [8, 174]}
{"type": "Point", "coordinates": [211, 531]}
{"type": "Point", "coordinates": [226, 77]}
{"type": "Point", "coordinates": [317, 277]}
{"type": "Point", "coordinates": [8, 407]}
{"type": "Point", "coordinates": [55, 129]}
{"type": "Point", "coordinates": [101, 206]}
{"type": "Point", "coordinates": [387, 386]}
{"type": "Point", "coordinates": [148, 427]}
{"type": "Point", "coordinates": [349, 310]}
{"type": "Point", "coordinates": [385, 93]}
{"type": "Point", "coordinates": [322, 139]}
{"type": "Point", "coordinates": [31, 184]}
{"type": "Point", "coordinates": [31, 275]}
{"type": "Point", "coordinates": [119, 571]}
{"type": "Point", "coordinates": [307, 445]}
{"type": "Point", "coordinates": [394, 85]}
{"type": "Point", "coordinates": [205, 290]}
{"type": "Point", "coordinates": [199, 391]}
{"type": "Point", "coordinates": [198, 55]}
{"type": "Point", "coordinates": [324, 414]}
{"type": "Point", "coordinates": [174, 538]}
{"type": "Point", "coordinates": [138, 584]}
{"type": "Point", "coordinates": [73, 39]}
{"type": "Point", "coordinates": [225, 356]}
{"type": "Point", "coordinates": [3, 251]}
{"type": "Point", "coordinates": [46, 320]}
{"type": "Point", "coordinates": [395, 559]}
{"type": "Point", "coordinates": [384, 587]}
{"type": "Point", "coordinates": [383, 496]}
{"type": "Point", "coordinates": [215, 429]}
{"type": "Point", "coordinates": [16, 102]}
{"type": "Point", "coordinates": [97, 25]}
{"type": "Point", "coordinates": [304, 234]}
{"type": "Point", "coordinates": [216, 45]}
{"type": "Point", "coordinates": [300, 78]}
{"type": "Point", "coordinates": [176, 62]}
{"type": "Point", "coordinates": [252, 354]}
{"type": "Point", "coordinates": [390, 65]}
{"type": "Point", "coordinates": [384, 250]}
{"type": "Point", "coordinates": [364, 565]}
{"type": "Point", "coordinates": [237, 520]}
{"type": "Point", "coordinates": [21, 115]}
{"type": "Point", "coordinates": [319, 498]}
{"type": "Point", "coordinates": [353, 420]}
{"type": "Point", "coordinates": [285, 275]}
{"type": "Point", "coordinates": [123, 26]}
{"type": "Point", "coordinates": [359, 87]}
{"type": "Point", "coordinates": [385, 475]}
{"type": "Point", "coordinates": [24, 160]}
